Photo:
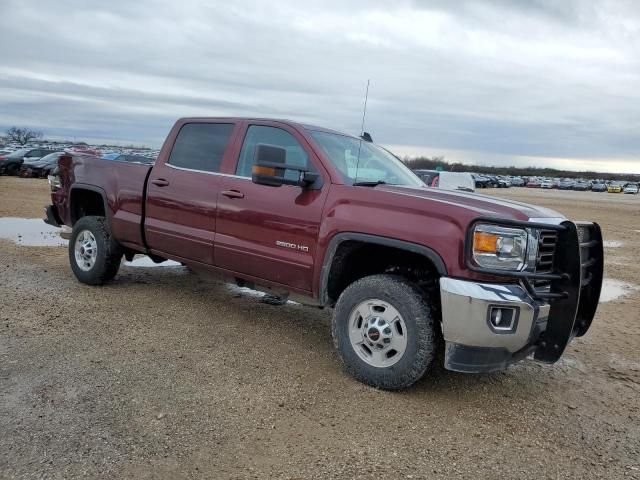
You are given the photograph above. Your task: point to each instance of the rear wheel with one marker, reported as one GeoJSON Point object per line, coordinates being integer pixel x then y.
{"type": "Point", "coordinates": [13, 169]}
{"type": "Point", "coordinates": [383, 330]}
{"type": "Point", "coordinates": [94, 254]}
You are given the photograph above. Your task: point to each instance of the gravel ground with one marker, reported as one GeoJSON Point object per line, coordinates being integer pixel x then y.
{"type": "Point", "coordinates": [162, 374]}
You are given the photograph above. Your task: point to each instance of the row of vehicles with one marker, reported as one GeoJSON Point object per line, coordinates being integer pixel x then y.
{"type": "Point", "coordinates": [583, 185]}
{"type": "Point", "coordinates": [41, 162]}
{"type": "Point", "coordinates": [465, 181]}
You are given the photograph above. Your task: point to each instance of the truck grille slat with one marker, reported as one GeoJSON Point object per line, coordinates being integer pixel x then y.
{"type": "Point", "coordinates": [546, 254]}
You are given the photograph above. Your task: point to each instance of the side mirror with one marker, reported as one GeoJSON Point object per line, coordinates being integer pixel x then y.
{"type": "Point", "coordinates": [270, 168]}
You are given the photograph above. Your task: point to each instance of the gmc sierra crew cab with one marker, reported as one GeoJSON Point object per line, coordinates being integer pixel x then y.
{"type": "Point", "coordinates": [333, 220]}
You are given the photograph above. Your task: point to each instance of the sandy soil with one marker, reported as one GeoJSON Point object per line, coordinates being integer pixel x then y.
{"type": "Point", "coordinates": [164, 375]}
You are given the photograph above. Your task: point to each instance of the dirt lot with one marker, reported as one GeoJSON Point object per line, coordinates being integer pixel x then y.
{"type": "Point", "coordinates": [164, 375]}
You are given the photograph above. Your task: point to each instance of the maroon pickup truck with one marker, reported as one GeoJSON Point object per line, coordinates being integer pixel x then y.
{"type": "Point", "coordinates": [332, 220]}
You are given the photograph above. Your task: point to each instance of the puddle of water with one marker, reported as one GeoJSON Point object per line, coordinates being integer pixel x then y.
{"type": "Point", "coordinates": [146, 262]}
{"type": "Point", "coordinates": [31, 232]}
{"type": "Point", "coordinates": [614, 289]}
{"type": "Point", "coordinates": [612, 244]}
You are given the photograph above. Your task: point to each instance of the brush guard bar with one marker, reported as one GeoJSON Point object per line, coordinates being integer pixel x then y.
{"type": "Point", "coordinates": [575, 282]}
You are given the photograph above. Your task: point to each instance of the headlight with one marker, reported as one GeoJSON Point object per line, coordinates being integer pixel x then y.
{"type": "Point", "coordinates": [502, 248]}
{"type": "Point", "coordinates": [54, 182]}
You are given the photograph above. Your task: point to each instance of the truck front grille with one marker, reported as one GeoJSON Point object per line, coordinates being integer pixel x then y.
{"type": "Point", "coordinates": [546, 254]}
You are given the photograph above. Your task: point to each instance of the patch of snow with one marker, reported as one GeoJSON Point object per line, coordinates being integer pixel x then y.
{"type": "Point", "coordinates": [146, 262]}
{"type": "Point", "coordinates": [30, 232]}
{"type": "Point", "coordinates": [614, 289]}
{"type": "Point", "coordinates": [249, 292]}
{"type": "Point", "coordinates": [571, 362]}
{"type": "Point", "coordinates": [612, 244]}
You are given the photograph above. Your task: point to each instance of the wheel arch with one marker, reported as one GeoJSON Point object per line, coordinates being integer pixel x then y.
{"type": "Point", "coordinates": [341, 241]}
{"type": "Point", "coordinates": [95, 199]}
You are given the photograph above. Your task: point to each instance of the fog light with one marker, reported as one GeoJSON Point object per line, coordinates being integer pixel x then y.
{"type": "Point", "coordinates": [503, 319]}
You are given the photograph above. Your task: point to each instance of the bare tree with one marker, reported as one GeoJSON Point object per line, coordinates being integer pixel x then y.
{"type": "Point", "coordinates": [22, 135]}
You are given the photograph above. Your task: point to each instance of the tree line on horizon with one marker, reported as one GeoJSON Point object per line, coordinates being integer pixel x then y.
{"type": "Point", "coordinates": [432, 163]}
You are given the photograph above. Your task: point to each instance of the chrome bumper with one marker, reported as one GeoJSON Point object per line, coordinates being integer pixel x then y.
{"type": "Point", "coordinates": [473, 344]}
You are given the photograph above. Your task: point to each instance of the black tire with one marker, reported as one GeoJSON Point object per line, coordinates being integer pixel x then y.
{"type": "Point", "coordinates": [413, 306]}
{"type": "Point", "coordinates": [108, 256]}
{"type": "Point", "coordinates": [13, 169]}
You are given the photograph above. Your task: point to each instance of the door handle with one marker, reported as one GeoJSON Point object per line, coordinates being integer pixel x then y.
{"type": "Point", "coordinates": [232, 194]}
{"type": "Point", "coordinates": [160, 182]}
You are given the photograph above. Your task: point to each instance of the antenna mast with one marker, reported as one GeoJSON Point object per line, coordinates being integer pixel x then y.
{"type": "Point", "coordinates": [364, 113]}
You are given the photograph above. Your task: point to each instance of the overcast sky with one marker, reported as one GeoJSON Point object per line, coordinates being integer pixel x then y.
{"type": "Point", "coordinates": [527, 82]}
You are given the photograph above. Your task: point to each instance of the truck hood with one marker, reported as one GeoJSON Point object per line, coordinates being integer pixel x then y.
{"type": "Point", "coordinates": [483, 205]}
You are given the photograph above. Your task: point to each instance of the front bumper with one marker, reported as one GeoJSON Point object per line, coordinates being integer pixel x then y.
{"type": "Point", "coordinates": [543, 318]}
{"type": "Point", "coordinates": [472, 343]}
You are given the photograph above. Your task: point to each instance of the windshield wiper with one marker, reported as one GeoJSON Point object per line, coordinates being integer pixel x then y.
{"type": "Point", "coordinates": [369, 183]}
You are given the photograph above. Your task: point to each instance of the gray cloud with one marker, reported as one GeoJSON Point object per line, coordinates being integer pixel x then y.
{"type": "Point", "coordinates": [523, 79]}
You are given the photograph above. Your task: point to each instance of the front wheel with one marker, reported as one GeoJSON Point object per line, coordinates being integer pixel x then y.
{"type": "Point", "coordinates": [383, 330]}
{"type": "Point", "coordinates": [94, 254]}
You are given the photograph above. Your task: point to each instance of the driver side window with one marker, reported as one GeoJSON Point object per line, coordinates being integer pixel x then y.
{"type": "Point", "coordinates": [259, 134]}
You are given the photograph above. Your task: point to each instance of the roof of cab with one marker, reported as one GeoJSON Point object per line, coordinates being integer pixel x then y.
{"type": "Point", "coordinates": [298, 125]}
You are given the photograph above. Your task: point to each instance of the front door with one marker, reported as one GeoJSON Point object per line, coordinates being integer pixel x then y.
{"type": "Point", "coordinates": [180, 217]}
{"type": "Point", "coordinates": [269, 232]}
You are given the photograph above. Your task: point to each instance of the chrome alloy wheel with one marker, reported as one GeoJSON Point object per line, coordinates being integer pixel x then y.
{"type": "Point", "coordinates": [86, 250]}
{"type": "Point", "coordinates": [378, 333]}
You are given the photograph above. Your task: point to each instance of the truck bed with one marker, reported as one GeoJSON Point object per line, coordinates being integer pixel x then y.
{"type": "Point", "coordinates": [121, 184]}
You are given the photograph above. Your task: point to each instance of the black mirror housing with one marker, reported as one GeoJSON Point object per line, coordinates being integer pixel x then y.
{"type": "Point", "coordinates": [270, 168]}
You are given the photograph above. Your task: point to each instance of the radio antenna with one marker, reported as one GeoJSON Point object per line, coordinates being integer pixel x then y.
{"type": "Point", "coordinates": [364, 113]}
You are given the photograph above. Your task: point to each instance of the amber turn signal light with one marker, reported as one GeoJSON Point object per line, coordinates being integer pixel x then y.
{"type": "Point", "coordinates": [260, 170]}
{"type": "Point", "coordinates": [484, 242]}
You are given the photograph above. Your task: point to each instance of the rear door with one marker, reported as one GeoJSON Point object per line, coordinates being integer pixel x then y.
{"type": "Point", "coordinates": [182, 191]}
{"type": "Point", "coordinates": [270, 232]}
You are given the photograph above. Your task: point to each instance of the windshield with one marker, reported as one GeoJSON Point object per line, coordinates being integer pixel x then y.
{"type": "Point", "coordinates": [375, 164]}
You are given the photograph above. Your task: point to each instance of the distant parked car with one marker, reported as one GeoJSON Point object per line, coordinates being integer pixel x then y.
{"type": "Point", "coordinates": [495, 181]}
{"type": "Point", "coordinates": [631, 188]}
{"type": "Point", "coordinates": [447, 180]}
{"type": "Point", "coordinates": [504, 182]}
{"type": "Point", "coordinates": [85, 149]}
{"type": "Point", "coordinates": [599, 187]}
{"type": "Point", "coordinates": [548, 184]}
{"type": "Point", "coordinates": [566, 184]}
{"type": "Point", "coordinates": [10, 164]}
{"type": "Point", "coordinates": [516, 182]}
{"type": "Point", "coordinates": [534, 183]}
{"type": "Point", "coordinates": [124, 157]}
{"type": "Point", "coordinates": [581, 186]}
{"type": "Point", "coordinates": [614, 187]}
{"type": "Point", "coordinates": [40, 167]}
{"type": "Point", "coordinates": [480, 181]}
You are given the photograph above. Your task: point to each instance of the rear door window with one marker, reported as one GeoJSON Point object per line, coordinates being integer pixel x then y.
{"type": "Point", "coordinates": [201, 146]}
